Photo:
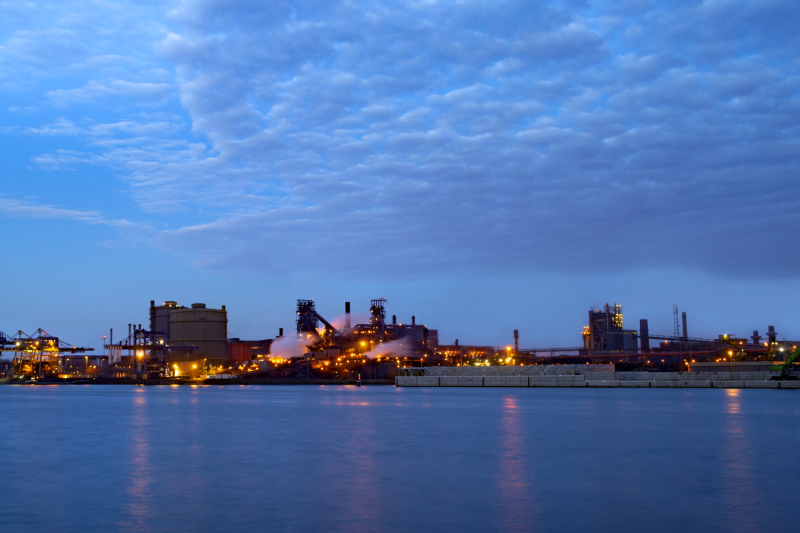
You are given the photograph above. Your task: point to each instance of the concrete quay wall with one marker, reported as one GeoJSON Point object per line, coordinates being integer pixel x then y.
{"type": "Point", "coordinates": [694, 376]}
{"type": "Point", "coordinates": [582, 381]}
{"type": "Point", "coordinates": [528, 370]}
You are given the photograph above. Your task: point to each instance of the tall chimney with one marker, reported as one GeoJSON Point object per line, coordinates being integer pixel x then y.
{"type": "Point", "coordinates": [347, 316]}
{"type": "Point", "coordinates": [644, 335]}
{"type": "Point", "coordinates": [413, 320]}
{"type": "Point", "coordinates": [280, 332]}
{"type": "Point", "coordinates": [394, 320]}
{"type": "Point", "coordinates": [685, 335]}
{"type": "Point", "coordinates": [516, 341]}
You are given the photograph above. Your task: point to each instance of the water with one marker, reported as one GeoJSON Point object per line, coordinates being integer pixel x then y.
{"type": "Point", "coordinates": [301, 458]}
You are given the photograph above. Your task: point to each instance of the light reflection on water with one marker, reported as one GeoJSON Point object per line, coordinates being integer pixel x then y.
{"type": "Point", "coordinates": [738, 475]}
{"type": "Point", "coordinates": [513, 479]}
{"type": "Point", "coordinates": [386, 459]}
{"type": "Point", "coordinates": [139, 475]}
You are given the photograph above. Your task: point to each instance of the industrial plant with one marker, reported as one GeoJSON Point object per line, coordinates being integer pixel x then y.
{"type": "Point", "coordinates": [191, 343]}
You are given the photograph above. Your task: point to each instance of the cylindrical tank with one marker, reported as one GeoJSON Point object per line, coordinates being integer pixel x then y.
{"type": "Point", "coordinates": [159, 318]}
{"type": "Point", "coordinates": [204, 328]}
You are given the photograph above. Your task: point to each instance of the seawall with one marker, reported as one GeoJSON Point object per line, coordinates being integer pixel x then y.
{"type": "Point", "coordinates": [587, 376]}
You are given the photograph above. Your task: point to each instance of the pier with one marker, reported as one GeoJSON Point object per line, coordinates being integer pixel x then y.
{"type": "Point", "coordinates": [604, 376]}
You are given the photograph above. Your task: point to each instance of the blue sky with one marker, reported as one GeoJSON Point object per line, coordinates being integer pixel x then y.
{"type": "Point", "coordinates": [485, 166]}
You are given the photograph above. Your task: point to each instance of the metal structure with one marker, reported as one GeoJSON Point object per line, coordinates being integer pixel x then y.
{"type": "Point", "coordinates": [38, 355]}
{"type": "Point", "coordinates": [308, 322]}
{"type": "Point", "coordinates": [308, 319]}
{"type": "Point", "coordinates": [377, 317]}
{"type": "Point", "coordinates": [151, 353]}
{"type": "Point", "coordinates": [677, 325]}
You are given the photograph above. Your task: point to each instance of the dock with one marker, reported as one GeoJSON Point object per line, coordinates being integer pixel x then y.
{"type": "Point", "coordinates": [603, 376]}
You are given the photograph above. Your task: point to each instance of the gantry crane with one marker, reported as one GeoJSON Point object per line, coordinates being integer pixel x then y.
{"type": "Point", "coordinates": [37, 355]}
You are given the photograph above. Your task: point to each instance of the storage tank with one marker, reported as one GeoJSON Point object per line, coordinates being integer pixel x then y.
{"type": "Point", "coordinates": [202, 327]}
{"type": "Point", "coordinates": [159, 317]}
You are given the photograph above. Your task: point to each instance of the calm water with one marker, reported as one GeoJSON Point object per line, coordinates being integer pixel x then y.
{"type": "Point", "coordinates": [301, 458]}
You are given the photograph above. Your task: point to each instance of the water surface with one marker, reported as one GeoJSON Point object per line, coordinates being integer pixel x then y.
{"type": "Point", "coordinates": [303, 458]}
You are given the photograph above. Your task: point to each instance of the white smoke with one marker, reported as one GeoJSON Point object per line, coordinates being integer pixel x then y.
{"type": "Point", "coordinates": [355, 318]}
{"type": "Point", "coordinates": [291, 345]}
{"type": "Point", "coordinates": [396, 348]}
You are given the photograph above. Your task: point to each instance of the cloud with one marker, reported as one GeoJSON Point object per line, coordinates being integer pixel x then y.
{"type": "Point", "coordinates": [18, 208]}
{"type": "Point", "coordinates": [426, 138]}
{"type": "Point", "coordinates": [63, 126]}
{"type": "Point", "coordinates": [93, 91]}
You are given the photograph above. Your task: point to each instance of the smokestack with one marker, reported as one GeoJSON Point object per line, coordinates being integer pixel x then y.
{"type": "Point", "coordinates": [152, 304]}
{"type": "Point", "coordinates": [685, 334]}
{"type": "Point", "coordinates": [644, 335]}
{"type": "Point", "coordinates": [413, 320]}
{"type": "Point", "coordinates": [756, 338]}
{"type": "Point", "coordinates": [516, 341]}
{"type": "Point", "coordinates": [394, 320]}
{"type": "Point", "coordinates": [347, 316]}
{"type": "Point", "coordinates": [280, 332]}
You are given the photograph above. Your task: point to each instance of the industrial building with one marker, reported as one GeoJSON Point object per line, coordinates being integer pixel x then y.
{"type": "Point", "coordinates": [413, 341]}
{"type": "Point", "coordinates": [181, 340]}
{"type": "Point", "coordinates": [240, 351]}
{"type": "Point", "coordinates": [192, 341]}
{"type": "Point", "coordinates": [198, 325]}
{"type": "Point", "coordinates": [605, 333]}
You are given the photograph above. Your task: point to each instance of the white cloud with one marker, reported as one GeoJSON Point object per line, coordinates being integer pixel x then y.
{"type": "Point", "coordinates": [92, 91]}
{"type": "Point", "coordinates": [463, 136]}
{"type": "Point", "coordinates": [23, 209]}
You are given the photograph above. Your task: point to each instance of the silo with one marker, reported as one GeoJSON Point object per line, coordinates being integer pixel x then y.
{"type": "Point", "coordinates": [159, 317]}
{"type": "Point", "coordinates": [204, 328]}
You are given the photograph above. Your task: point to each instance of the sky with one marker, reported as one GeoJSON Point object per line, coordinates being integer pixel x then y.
{"type": "Point", "coordinates": [483, 165]}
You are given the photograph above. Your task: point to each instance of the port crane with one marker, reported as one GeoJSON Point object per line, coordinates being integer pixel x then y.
{"type": "Point", "coordinates": [37, 355]}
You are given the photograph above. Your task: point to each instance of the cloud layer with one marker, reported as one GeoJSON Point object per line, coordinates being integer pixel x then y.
{"type": "Point", "coordinates": [425, 138]}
